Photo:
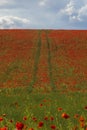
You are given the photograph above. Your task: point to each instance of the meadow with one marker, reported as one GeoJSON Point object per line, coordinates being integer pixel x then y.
{"type": "Point", "coordinates": [43, 79]}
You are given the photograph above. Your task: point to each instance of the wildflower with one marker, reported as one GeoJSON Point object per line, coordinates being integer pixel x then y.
{"type": "Point", "coordinates": [34, 119]}
{"type": "Point", "coordinates": [75, 128]}
{"type": "Point", "coordinates": [41, 105]}
{"type": "Point", "coordinates": [11, 121]}
{"type": "Point", "coordinates": [53, 127]}
{"type": "Point", "coordinates": [24, 118]}
{"type": "Point", "coordinates": [44, 100]}
{"type": "Point", "coordinates": [64, 115]}
{"type": "Point", "coordinates": [4, 128]}
{"type": "Point", "coordinates": [40, 124]}
{"type": "Point", "coordinates": [19, 125]}
{"type": "Point", "coordinates": [81, 119]}
{"type": "Point", "coordinates": [1, 119]}
{"type": "Point", "coordinates": [76, 116]}
{"type": "Point", "coordinates": [31, 129]}
{"type": "Point", "coordinates": [51, 118]}
{"type": "Point", "coordinates": [46, 118]}
{"type": "Point", "coordinates": [25, 127]}
{"type": "Point", "coordinates": [59, 109]}
{"type": "Point", "coordinates": [82, 124]}
{"type": "Point", "coordinates": [85, 107]}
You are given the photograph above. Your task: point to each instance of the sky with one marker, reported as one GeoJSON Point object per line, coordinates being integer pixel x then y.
{"type": "Point", "coordinates": [43, 14]}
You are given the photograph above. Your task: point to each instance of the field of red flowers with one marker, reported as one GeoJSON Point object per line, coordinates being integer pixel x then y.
{"type": "Point", "coordinates": [17, 54]}
{"type": "Point", "coordinates": [44, 58]}
{"type": "Point", "coordinates": [69, 54]}
{"type": "Point", "coordinates": [43, 72]}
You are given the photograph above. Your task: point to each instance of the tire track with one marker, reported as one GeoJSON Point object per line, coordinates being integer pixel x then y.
{"type": "Point", "coordinates": [37, 57]}
{"type": "Point", "coordinates": [50, 64]}
{"type": "Point", "coordinates": [43, 81]}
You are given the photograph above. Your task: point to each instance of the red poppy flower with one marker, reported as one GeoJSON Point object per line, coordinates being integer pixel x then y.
{"type": "Point", "coordinates": [51, 118]}
{"type": "Point", "coordinates": [53, 127]}
{"type": "Point", "coordinates": [86, 128]}
{"type": "Point", "coordinates": [40, 124]}
{"type": "Point", "coordinates": [34, 119]}
{"type": "Point", "coordinates": [19, 125]}
{"type": "Point", "coordinates": [11, 121]}
{"type": "Point", "coordinates": [85, 107]}
{"type": "Point", "coordinates": [1, 119]}
{"type": "Point", "coordinates": [44, 100]}
{"type": "Point", "coordinates": [24, 118]}
{"type": "Point", "coordinates": [82, 124]}
{"type": "Point", "coordinates": [4, 128]}
{"type": "Point", "coordinates": [76, 116]}
{"type": "Point", "coordinates": [81, 119]}
{"type": "Point", "coordinates": [31, 129]}
{"type": "Point", "coordinates": [41, 105]}
{"type": "Point", "coordinates": [64, 115]}
{"type": "Point", "coordinates": [46, 118]}
{"type": "Point", "coordinates": [59, 109]}
{"type": "Point", "coordinates": [75, 128]}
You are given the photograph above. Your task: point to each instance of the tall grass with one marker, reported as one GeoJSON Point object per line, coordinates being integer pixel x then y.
{"type": "Point", "coordinates": [17, 103]}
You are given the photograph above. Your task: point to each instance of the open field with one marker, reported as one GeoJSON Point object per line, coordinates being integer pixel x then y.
{"type": "Point", "coordinates": [43, 79]}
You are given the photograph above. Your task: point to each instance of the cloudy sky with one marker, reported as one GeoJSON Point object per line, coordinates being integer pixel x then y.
{"type": "Point", "coordinates": [53, 14]}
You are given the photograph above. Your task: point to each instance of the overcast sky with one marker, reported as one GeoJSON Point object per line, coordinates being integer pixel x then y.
{"type": "Point", "coordinates": [38, 14]}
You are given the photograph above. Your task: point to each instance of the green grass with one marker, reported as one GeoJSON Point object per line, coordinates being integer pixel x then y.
{"type": "Point", "coordinates": [18, 102]}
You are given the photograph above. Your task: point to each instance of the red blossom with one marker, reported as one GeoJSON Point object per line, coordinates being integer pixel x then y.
{"type": "Point", "coordinates": [75, 128]}
{"type": "Point", "coordinates": [40, 124]}
{"type": "Point", "coordinates": [51, 118]}
{"type": "Point", "coordinates": [31, 129]}
{"type": "Point", "coordinates": [76, 116]}
{"type": "Point", "coordinates": [81, 119]}
{"type": "Point", "coordinates": [64, 115]}
{"type": "Point", "coordinates": [24, 118]}
{"type": "Point", "coordinates": [45, 118]}
{"type": "Point", "coordinates": [53, 127]}
{"type": "Point", "coordinates": [1, 119]}
{"type": "Point", "coordinates": [60, 108]}
{"type": "Point", "coordinates": [4, 128]}
{"type": "Point", "coordinates": [85, 107]}
{"type": "Point", "coordinates": [82, 124]}
{"type": "Point", "coordinates": [41, 105]}
{"type": "Point", "coordinates": [11, 121]}
{"type": "Point", "coordinates": [34, 119]}
{"type": "Point", "coordinates": [19, 125]}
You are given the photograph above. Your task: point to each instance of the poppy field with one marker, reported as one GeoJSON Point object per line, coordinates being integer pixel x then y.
{"type": "Point", "coordinates": [43, 79]}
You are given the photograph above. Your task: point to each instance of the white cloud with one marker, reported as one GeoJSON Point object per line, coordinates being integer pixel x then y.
{"type": "Point", "coordinates": [3, 2]}
{"type": "Point", "coordinates": [6, 2]}
{"type": "Point", "coordinates": [69, 9]}
{"type": "Point", "coordinates": [13, 22]}
{"type": "Point", "coordinates": [83, 12]}
{"type": "Point", "coordinates": [71, 12]}
{"type": "Point", "coordinates": [42, 2]}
